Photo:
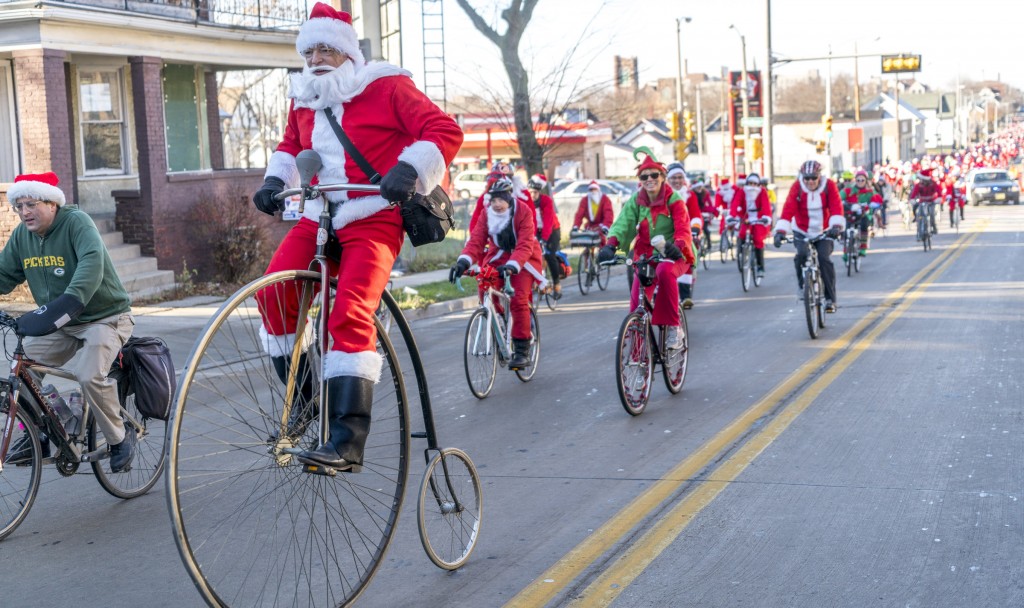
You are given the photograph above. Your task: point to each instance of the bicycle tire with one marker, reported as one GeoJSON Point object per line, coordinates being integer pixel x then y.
{"type": "Point", "coordinates": [810, 306]}
{"type": "Point", "coordinates": [251, 525]}
{"type": "Point", "coordinates": [746, 265]}
{"type": "Point", "coordinates": [819, 301]}
{"type": "Point", "coordinates": [604, 275]}
{"type": "Point", "coordinates": [480, 347]}
{"type": "Point", "coordinates": [848, 254]}
{"type": "Point", "coordinates": [753, 269]}
{"type": "Point", "coordinates": [527, 374]}
{"type": "Point", "coordinates": [673, 367]}
{"type": "Point", "coordinates": [147, 464]}
{"type": "Point", "coordinates": [583, 276]}
{"type": "Point", "coordinates": [724, 247]}
{"type": "Point", "coordinates": [857, 261]}
{"type": "Point", "coordinates": [634, 352]}
{"type": "Point", "coordinates": [19, 484]}
{"type": "Point", "coordinates": [449, 525]}
{"type": "Point", "coordinates": [705, 253]}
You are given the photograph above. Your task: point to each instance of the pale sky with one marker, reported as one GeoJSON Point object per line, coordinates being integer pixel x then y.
{"type": "Point", "coordinates": [979, 39]}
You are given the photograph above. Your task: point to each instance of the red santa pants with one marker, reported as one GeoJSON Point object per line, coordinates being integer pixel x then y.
{"type": "Point", "coordinates": [666, 305]}
{"type": "Point", "coordinates": [522, 283]}
{"type": "Point", "coordinates": [369, 248]}
{"type": "Point", "coordinates": [760, 232]}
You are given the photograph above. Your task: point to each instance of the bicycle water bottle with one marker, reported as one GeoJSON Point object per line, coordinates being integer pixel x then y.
{"type": "Point", "coordinates": [76, 403]}
{"type": "Point", "coordinates": [57, 403]}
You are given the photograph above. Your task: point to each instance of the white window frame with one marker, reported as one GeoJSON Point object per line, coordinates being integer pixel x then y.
{"type": "Point", "coordinates": [118, 72]}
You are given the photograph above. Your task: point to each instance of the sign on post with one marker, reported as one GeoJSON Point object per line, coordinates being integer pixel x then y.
{"type": "Point", "coordinates": [892, 64]}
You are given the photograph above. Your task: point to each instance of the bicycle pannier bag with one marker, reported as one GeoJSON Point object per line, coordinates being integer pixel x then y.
{"type": "Point", "coordinates": [427, 219]}
{"type": "Point", "coordinates": [146, 371]}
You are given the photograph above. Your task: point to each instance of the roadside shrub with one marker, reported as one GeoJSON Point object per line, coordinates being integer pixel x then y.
{"type": "Point", "coordinates": [236, 234]}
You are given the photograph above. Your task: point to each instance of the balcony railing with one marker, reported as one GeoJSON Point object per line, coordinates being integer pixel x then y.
{"type": "Point", "coordinates": [249, 14]}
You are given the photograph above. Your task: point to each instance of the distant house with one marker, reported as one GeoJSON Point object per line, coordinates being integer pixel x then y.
{"type": "Point", "coordinates": [650, 132]}
{"type": "Point", "coordinates": [905, 140]}
{"type": "Point", "coordinates": [939, 110]}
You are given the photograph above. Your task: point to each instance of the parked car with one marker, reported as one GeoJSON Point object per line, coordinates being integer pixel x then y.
{"type": "Point", "coordinates": [470, 184]}
{"type": "Point", "coordinates": [992, 186]}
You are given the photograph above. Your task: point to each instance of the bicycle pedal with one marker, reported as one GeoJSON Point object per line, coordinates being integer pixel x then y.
{"type": "Point", "coordinates": [316, 469]}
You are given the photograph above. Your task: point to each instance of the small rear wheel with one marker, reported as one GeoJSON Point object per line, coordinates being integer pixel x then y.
{"type": "Point", "coordinates": [19, 482]}
{"type": "Point", "coordinates": [527, 374]}
{"type": "Point", "coordinates": [450, 508]}
{"type": "Point", "coordinates": [633, 359]}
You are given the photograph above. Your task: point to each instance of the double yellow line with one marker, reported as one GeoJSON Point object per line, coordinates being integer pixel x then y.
{"type": "Point", "coordinates": [847, 348]}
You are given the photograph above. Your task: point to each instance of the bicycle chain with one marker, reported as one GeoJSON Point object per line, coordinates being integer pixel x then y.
{"type": "Point", "coordinates": [66, 467]}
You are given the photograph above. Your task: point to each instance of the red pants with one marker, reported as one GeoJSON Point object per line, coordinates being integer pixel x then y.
{"type": "Point", "coordinates": [369, 248]}
{"type": "Point", "coordinates": [666, 305]}
{"type": "Point", "coordinates": [760, 232]}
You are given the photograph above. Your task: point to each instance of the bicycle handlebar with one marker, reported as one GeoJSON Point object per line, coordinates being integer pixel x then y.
{"type": "Point", "coordinates": [317, 189]}
{"type": "Point", "coordinates": [618, 259]}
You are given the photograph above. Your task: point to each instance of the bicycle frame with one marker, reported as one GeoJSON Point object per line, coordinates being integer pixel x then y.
{"type": "Point", "coordinates": [503, 339]}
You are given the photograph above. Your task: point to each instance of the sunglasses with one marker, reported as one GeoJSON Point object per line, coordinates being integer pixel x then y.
{"type": "Point", "coordinates": [647, 176]}
{"type": "Point", "coordinates": [811, 178]}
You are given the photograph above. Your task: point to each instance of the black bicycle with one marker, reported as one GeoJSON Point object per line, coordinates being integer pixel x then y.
{"type": "Point", "coordinates": [253, 525]}
{"type": "Point", "coordinates": [25, 413]}
{"type": "Point", "coordinates": [924, 214]}
{"type": "Point", "coordinates": [851, 244]}
{"type": "Point", "coordinates": [587, 269]}
{"type": "Point", "coordinates": [814, 286]}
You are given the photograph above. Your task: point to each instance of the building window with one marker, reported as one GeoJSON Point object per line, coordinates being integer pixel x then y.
{"type": "Point", "coordinates": [188, 145]}
{"type": "Point", "coordinates": [101, 111]}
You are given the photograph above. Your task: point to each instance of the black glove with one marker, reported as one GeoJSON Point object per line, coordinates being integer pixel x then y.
{"type": "Point", "coordinates": [672, 252]}
{"type": "Point", "coordinates": [264, 197]}
{"type": "Point", "coordinates": [606, 254]}
{"type": "Point", "coordinates": [458, 270]}
{"type": "Point", "coordinates": [779, 236]}
{"type": "Point", "coordinates": [51, 316]}
{"type": "Point", "coordinates": [508, 270]}
{"type": "Point", "coordinates": [604, 230]}
{"type": "Point", "coordinates": [399, 184]}
{"type": "Point", "coordinates": [835, 232]}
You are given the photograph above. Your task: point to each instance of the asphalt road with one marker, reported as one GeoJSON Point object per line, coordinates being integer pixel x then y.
{"type": "Point", "coordinates": [876, 466]}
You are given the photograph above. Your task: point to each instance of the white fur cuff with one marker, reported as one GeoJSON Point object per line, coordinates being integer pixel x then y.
{"type": "Point", "coordinates": [783, 226]}
{"type": "Point", "coordinates": [281, 346]}
{"type": "Point", "coordinates": [366, 364]}
{"type": "Point", "coordinates": [282, 166]}
{"type": "Point", "coordinates": [837, 220]}
{"type": "Point", "coordinates": [515, 264]}
{"type": "Point", "coordinates": [467, 258]}
{"type": "Point", "coordinates": [426, 158]}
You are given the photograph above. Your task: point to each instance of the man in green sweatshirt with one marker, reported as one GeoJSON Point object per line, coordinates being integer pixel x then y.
{"type": "Point", "coordinates": [82, 304]}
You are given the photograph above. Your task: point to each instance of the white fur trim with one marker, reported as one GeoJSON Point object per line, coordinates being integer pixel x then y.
{"type": "Point", "coordinates": [696, 223]}
{"type": "Point", "coordinates": [366, 364]}
{"type": "Point", "coordinates": [357, 209]}
{"type": "Point", "coordinates": [332, 32]}
{"type": "Point", "coordinates": [37, 191]}
{"type": "Point", "coordinates": [497, 255]}
{"type": "Point", "coordinates": [766, 220]}
{"type": "Point", "coordinates": [783, 226]}
{"type": "Point", "coordinates": [281, 346]}
{"type": "Point", "coordinates": [837, 220]}
{"type": "Point", "coordinates": [537, 274]}
{"type": "Point", "coordinates": [426, 158]}
{"type": "Point", "coordinates": [467, 258]}
{"type": "Point", "coordinates": [514, 264]}
{"type": "Point", "coordinates": [282, 166]}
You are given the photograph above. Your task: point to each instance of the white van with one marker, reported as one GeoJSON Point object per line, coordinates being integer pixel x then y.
{"type": "Point", "coordinates": [470, 184]}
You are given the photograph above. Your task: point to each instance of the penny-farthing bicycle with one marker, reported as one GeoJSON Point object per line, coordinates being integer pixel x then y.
{"type": "Point", "coordinates": [255, 527]}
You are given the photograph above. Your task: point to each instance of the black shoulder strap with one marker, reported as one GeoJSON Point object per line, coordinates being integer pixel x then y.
{"type": "Point", "coordinates": [351, 149]}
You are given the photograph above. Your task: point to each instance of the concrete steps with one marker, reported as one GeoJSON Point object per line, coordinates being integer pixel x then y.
{"type": "Point", "coordinates": [139, 274]}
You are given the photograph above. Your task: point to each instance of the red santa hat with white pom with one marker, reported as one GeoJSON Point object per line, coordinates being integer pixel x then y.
{"type": "Point", "coordinates": [40, 187]}
{"type": "Point", "coordinates": [327, 25]}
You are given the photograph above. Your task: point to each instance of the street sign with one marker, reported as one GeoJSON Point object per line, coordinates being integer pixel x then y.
{"type": "Point", "coordinates": [753, 122]}
{"type": "Point", "coordinates": [900, 63]}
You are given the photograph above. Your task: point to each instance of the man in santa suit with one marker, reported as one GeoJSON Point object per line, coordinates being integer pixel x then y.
{"type": "Point", "coordinates": [956, 194]}
{"type": "Point", "coordinates": [500, 169]}
{"type": "Point", "coordinates": [724, 197]}
{"type": "Point", "coordinates": [812, 207]}
{"type": "Point", "coordinates": [753, 212]}
{"type": "Point", "coordinates": [677, 180]}
{"type": "Point", "coordinates": [594, 212]}
{"type": "Point", "coordinates": [549, 230]}
{"type": "Point", "coordinates": [505, 238]}
{"type": "Point", "coordinates": [924, 195]}
{"type": "Point", "coordinates": [406, 138]}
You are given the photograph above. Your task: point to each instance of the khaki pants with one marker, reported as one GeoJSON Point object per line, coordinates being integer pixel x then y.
{"type": "Point", "coordinates": [97, 345]}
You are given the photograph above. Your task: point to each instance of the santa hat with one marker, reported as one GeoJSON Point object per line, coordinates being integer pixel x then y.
{"type": "Point", "coordinates": [649, 162]}
{"type": "Point", "coordinates": [925, 173]}
{"type": "Point", "coordinates": [540, 177]}
{"type": "Point", "coordinates": [594, 185]}
{"type": "Point", "coordinates": [40, 187]}
{"type": "Point", "coordinates": [332, 27]}
{"type": "Point", "coordinates": [675, 169]}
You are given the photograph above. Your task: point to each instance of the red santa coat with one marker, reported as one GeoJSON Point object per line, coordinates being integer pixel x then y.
{"type": "Point", "coordinates": [483, 201]}
{"type": "Point", "coordinates": [752, 209]}
{"type": "Point", "coordinates": [525, 256]}
{"type": "Point", "coordinates": [587, 219]}
{"type": "Point", "coordinates": [927, 191]}
{"type": "Point", "coordinates": [724, 198]}
{"type": "Point", "coordinates": [811, 212]}
{"type": "Point", "coordinates": [388, 120]}
{"type": "Point", "coordinates": [546, 216]}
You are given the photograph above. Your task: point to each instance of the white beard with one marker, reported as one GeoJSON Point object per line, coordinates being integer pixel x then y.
{"type": "Point", "coordinates": [318, 92]}
{"type": "Point", "coordinates": [595, 197]}
{"type": "Point", "coordinates": [496, 222]}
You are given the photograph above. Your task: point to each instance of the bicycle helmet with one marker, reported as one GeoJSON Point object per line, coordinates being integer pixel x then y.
{"type": "Point", "coordinates": [811, 167]}
{"type": "Point", "coordinates": [500, 185]}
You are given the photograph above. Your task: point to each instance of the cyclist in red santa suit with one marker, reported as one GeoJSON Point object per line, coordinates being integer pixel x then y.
{"type": "Point", "coordinates": [594, 212]}
{"type": "Point", "coordinates": [410, 141]}
{"type": "Point", "coordinates": [677, 179]}
{"type": "Point", "coordinates": [499, 169]}
{"type": "Point", "coordinates": [926, 191]}
{"type": "Point", "coordinates": [505, 238]}
{"type": "Point", "coordinates": [956, 194]}
{"type": "Point", "coordinates": [755, 211]}
{"type": "Point", "coordinates": [724, 197]}
{"type": "Point", "coordinates": [549, 230]}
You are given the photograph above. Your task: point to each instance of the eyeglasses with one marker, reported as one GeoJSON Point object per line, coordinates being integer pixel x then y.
{"type": "Point", "coordinates": [648, 176]}
{"type": "Point", "coordinates": [19, 207]}
{"type": "Point", "coordinates": [322, 49]}
{"type": "Point", "coordinates": [811, 178]}
{"type": "Point", "coordinates": [861, 179]}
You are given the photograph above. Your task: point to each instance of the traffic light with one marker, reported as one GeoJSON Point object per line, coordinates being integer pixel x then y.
{"type": "Point", "coordinates": [892, 64]}
{"type": "Point", "coordinates": [673, 126]}
{"type": "Point", "coordinates": [688, 126]}
{"type": "Point", "coordinates": [826, 122]}
{"type": "Point", "coordinates": [756, 149]}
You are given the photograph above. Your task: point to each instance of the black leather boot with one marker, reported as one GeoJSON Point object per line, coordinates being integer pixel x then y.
{"type": "Point", "coordinates": [349, 400]}
{"type": "Point", "coordinates": [520, 355]}
{"type": "Point", "coordinates": [304, 406]}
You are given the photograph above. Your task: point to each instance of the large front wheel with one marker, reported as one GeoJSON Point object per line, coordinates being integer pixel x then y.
{"type": "Point", "coordinates": [19, 480]}
{"type": "Point", "coordinates": [480, 354]}
{"type": "Point", "coordinates": [673, 364]}
{"type": "Point", "coordinates": [450, 508]}
{"type": "Point", "coordinates": [254, 527]}
{"type": "Point", "coordinates": [633, 359]}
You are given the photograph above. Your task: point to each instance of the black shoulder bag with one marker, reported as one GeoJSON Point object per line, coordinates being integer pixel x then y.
{"type": "Point", "coordinates": [426, 219]}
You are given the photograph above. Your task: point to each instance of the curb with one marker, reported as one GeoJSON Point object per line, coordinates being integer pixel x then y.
{"type": "Point", "coordinates": [439, 309]}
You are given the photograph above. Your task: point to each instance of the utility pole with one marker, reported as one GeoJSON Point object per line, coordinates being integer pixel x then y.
{"type": "Point", "coordinates": [856, 84]}
{"type": "Point", "coordinates": [679, 78]}
{"type": "Point", "coordinates": [745, 97]}
{"type": "Point", "coordinates": [766, 102]}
